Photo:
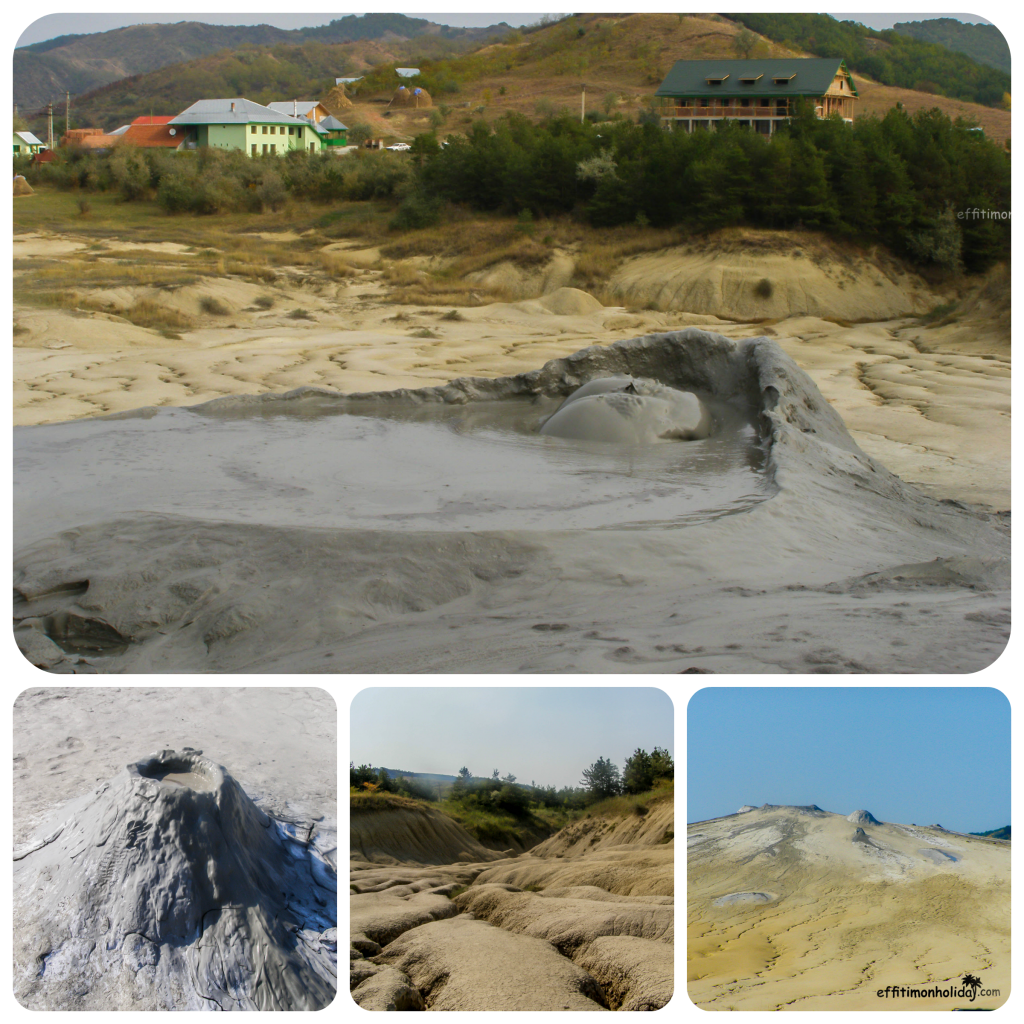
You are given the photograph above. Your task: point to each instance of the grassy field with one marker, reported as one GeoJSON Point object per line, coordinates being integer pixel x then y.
{"type": "Point", "coordinates": [259, 247]}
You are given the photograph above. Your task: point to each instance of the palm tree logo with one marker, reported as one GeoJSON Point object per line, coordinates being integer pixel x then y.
{"type": "Point", "coordinates": [972, 982]}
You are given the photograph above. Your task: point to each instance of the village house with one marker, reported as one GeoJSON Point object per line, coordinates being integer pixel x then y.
{"type": "Point", "coordinates": [331, 131]}
{"type": "Point", "coordinates": [241, 124]}
{"type": "Point", "coordinates": [310, 110]}
{"type": "Point", "coordinates": [760, 94]}
{"type": "Point", "coordinates": [88, 138]}
{"type": "Point", "coordinates": [153, 132]}
{"type": "Point", "coordinates": [26, 142]}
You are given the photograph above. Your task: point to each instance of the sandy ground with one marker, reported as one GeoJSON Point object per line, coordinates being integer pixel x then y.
{"type": "Point", "coordinates": [281, 744]}
{"type": "Point", "coordinates": [794, 910]}
{"type": "Point", "coordinates": [201, 533]}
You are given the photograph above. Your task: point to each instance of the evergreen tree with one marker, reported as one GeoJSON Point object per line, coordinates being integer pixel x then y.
{"type": "Point", "coordinates": [638, 773]}
{"type": "Point", "coordinates": [601, 779]}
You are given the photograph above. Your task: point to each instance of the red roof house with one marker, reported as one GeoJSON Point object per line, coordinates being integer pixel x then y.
{"type": "Point", "coordinates": [158, 135]}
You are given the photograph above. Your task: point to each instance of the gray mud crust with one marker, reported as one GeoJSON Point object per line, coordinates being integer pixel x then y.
{"type": "Point", "coordinates": [167, 888]}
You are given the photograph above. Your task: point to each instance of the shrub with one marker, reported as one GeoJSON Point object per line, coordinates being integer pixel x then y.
{"type": "Point", "coordinates": [264, 301]}
{"type": "Point", "coordinates": [271, 191]}
{"type": "Point", "coordinates": [418, 210]}
{"type": "Point", "coordinates": [129, 168]}
{"type": "Point", "coordinates": [213, 306]}
{"type": "Point", "coordinates": [763, 289]}
{"type": "Point", "coordinates": [178, 193]}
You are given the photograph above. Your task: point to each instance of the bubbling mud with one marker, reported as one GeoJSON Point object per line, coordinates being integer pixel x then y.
{"type": "Point", "coordinates": [627, 410]}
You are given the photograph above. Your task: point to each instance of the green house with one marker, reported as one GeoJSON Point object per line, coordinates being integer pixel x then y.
{"type": "Point", "coordinates": [241, 124]}
{"type": "Point", "coordinates": [332, 132]}
{"type": "Point", "coordinates": [26, 142]}
{"type": "Point", "coordinates": [758, 93]}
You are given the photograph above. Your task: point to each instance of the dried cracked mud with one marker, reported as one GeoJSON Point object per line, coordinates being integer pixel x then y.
{"type": "Point", "coordinates": [583, 921]}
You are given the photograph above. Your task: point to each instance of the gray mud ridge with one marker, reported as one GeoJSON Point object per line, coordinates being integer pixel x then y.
{"type": "Point", "coordinates": [168, 888]}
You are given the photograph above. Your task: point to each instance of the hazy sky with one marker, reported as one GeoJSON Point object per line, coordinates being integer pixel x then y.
{"type": "Point", "coordinates": [547, 734]}
{"type": "Point", "coordinates": [67, 20]}
{"type": "Point", "coordinates": [921, 755]}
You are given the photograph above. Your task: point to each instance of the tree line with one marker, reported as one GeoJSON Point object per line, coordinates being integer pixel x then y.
{"type": "Point", "coordinates": [641, 772]}
{"type": "Point", "coordinates": [932, 189]}
{"type": "Point", "coordinates": [898, 179]}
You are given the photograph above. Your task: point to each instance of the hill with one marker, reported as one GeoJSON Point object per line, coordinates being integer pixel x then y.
{"type": "Point", "coordinates": [811, 911]}
{"type": "Point", "coordinates": [621, 58]}
{"type": "Point", "coordinates": [392, 830]}
{"type": "Point", "coordinates": [984, 43]}
{"type": "Point", "coordinates": [996, 833]}
{"type": "Point", "coordinates": [44, 71]}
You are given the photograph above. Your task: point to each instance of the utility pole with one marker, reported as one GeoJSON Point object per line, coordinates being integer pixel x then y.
{"type": "Point", "coordinates": [49, 119]}
{"type": "Point", "coordinates": [583, 104]}
{"type": "Point", "coordinates": [67, 112]}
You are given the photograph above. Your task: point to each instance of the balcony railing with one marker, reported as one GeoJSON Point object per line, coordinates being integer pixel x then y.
{"type": "Point", "coordinates": [719, 111]}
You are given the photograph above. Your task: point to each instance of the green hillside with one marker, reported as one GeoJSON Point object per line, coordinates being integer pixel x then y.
{"type": "Point", "coordinates": [889, 57]}
{"type": "Point", "coordinates": [984, 43]}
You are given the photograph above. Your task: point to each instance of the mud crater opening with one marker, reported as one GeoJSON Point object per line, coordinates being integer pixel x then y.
{"type": "Point", "coordinates": [180, 773]}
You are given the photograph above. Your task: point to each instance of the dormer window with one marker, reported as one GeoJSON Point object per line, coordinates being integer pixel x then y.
{"type": "Point", "coordinates": [783, 79]}
{"type": "Point", "coordinates": [715, 79]}
{"type": "Point", "coordinates": [751, 79]}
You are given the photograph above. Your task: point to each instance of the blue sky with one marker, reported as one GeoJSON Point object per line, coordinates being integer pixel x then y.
{"type": "Point", "coordinates": [921, 755]}
{"type": "Point", "coordinates": [67, 21]}
{"type": "Point", "coordinates": [544, 733]}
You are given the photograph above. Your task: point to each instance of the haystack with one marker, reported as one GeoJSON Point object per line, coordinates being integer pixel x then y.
{"type": "Point", "coordinates": [337, 99]}
{"type": "Point", "coordinates": [415, 98]}
{"type": "Point", "coordinates": [22, 187]}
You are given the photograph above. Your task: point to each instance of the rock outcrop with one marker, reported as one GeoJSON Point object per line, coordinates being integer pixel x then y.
{"type": "Point", "coordinates": [584, 921]}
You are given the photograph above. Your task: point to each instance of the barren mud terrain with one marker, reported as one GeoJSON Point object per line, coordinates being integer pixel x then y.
{"type": "Point", "coordinates": [582, 921]}
{"type": "Point", "coordinates": [795, 908]}
{"type": "Point", "coordinates": [206, 540]}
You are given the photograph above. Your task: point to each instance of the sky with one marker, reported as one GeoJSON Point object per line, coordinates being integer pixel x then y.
{"type": "Point", "coordinates": [67, 20]}
{"type": "Point", "coordinates": [912, 755]}
{"type": "Point", "coordinates": [546, 734]}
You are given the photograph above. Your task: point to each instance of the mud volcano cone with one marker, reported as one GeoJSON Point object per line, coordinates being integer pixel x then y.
{"type": "Point", "coordinates": [170, 866]}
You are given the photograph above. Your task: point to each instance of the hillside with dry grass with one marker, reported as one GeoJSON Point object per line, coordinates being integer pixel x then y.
{"type": "Point", "coordinates": [607, 63]}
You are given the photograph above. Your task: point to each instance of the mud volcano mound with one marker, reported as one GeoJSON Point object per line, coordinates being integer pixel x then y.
{"type": "Point", "coordinates": [427, 530]}
{"type": "Point", "coordinates": [168, 888]}
{"type": "Point", "coordinates": [863, 818]}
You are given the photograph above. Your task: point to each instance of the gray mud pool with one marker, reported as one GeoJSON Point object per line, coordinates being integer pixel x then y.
{"type": "Point", "coordinates": [378, 466]}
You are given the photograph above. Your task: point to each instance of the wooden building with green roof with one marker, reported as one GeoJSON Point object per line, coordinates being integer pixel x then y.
{"type": "Point", "coordinates": [759, 93]}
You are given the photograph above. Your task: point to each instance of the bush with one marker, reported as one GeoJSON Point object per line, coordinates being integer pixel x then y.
{"type": "Point", "coordinates": [763, 289]}
{"type": "Point", "coordinates": [179, 193]}
{"type": "Point", "coordinates": [271, 191]}
{"type": "Point", "coordinates": [130, 169]}
{"type": "Point", "coordinates": [418, 210]}
{"type": "Point", "coordinates": [941, 244]}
